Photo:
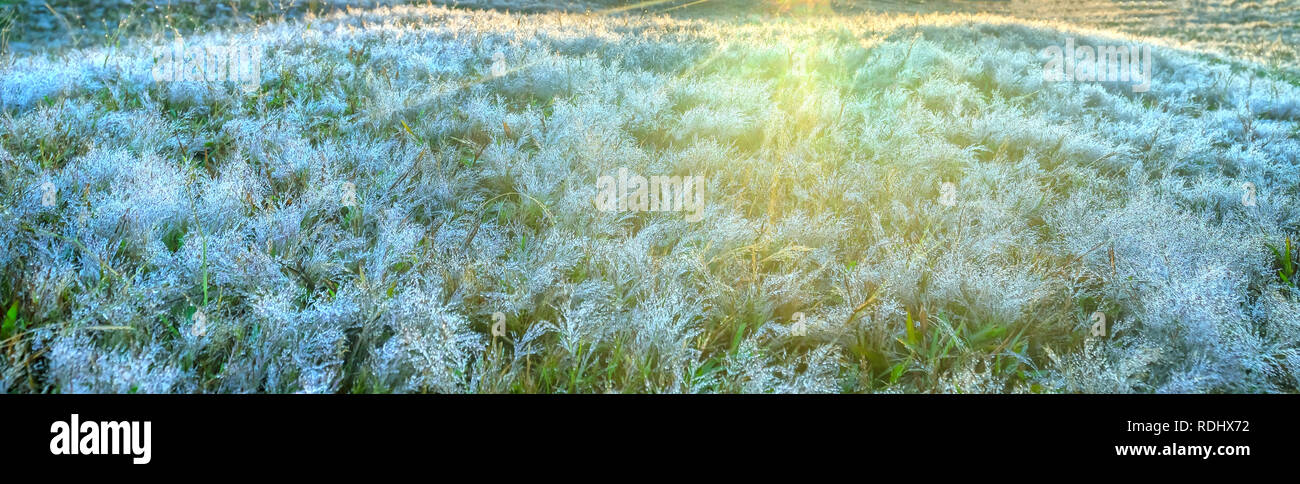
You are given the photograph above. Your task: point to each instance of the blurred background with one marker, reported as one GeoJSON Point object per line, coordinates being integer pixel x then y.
{"type": "Point", "coordinates": [1262, 30]}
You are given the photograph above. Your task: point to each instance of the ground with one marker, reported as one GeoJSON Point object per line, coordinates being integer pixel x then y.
{"type": "Point", "coordinates": [408, 199]}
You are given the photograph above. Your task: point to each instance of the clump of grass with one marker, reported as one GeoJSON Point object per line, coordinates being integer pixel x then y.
{"type": "Point", "coordinates": [1283, 259]}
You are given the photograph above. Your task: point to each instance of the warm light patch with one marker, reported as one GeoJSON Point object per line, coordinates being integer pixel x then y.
{"type": "Point", "coordinates": [802, 6]}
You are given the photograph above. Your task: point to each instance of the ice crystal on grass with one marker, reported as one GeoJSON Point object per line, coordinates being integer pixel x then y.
{"type": "Point", "coordinates": [429, 347]}
{"type": "Point", "coordinates": [75, 366]}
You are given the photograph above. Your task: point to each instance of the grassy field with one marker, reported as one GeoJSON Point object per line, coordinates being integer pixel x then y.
{"type": "Point", "coordinates": [411, 198]}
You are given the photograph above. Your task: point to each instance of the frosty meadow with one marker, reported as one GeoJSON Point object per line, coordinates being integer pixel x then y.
{"type": "Point", "coordinates": [452, 199]}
